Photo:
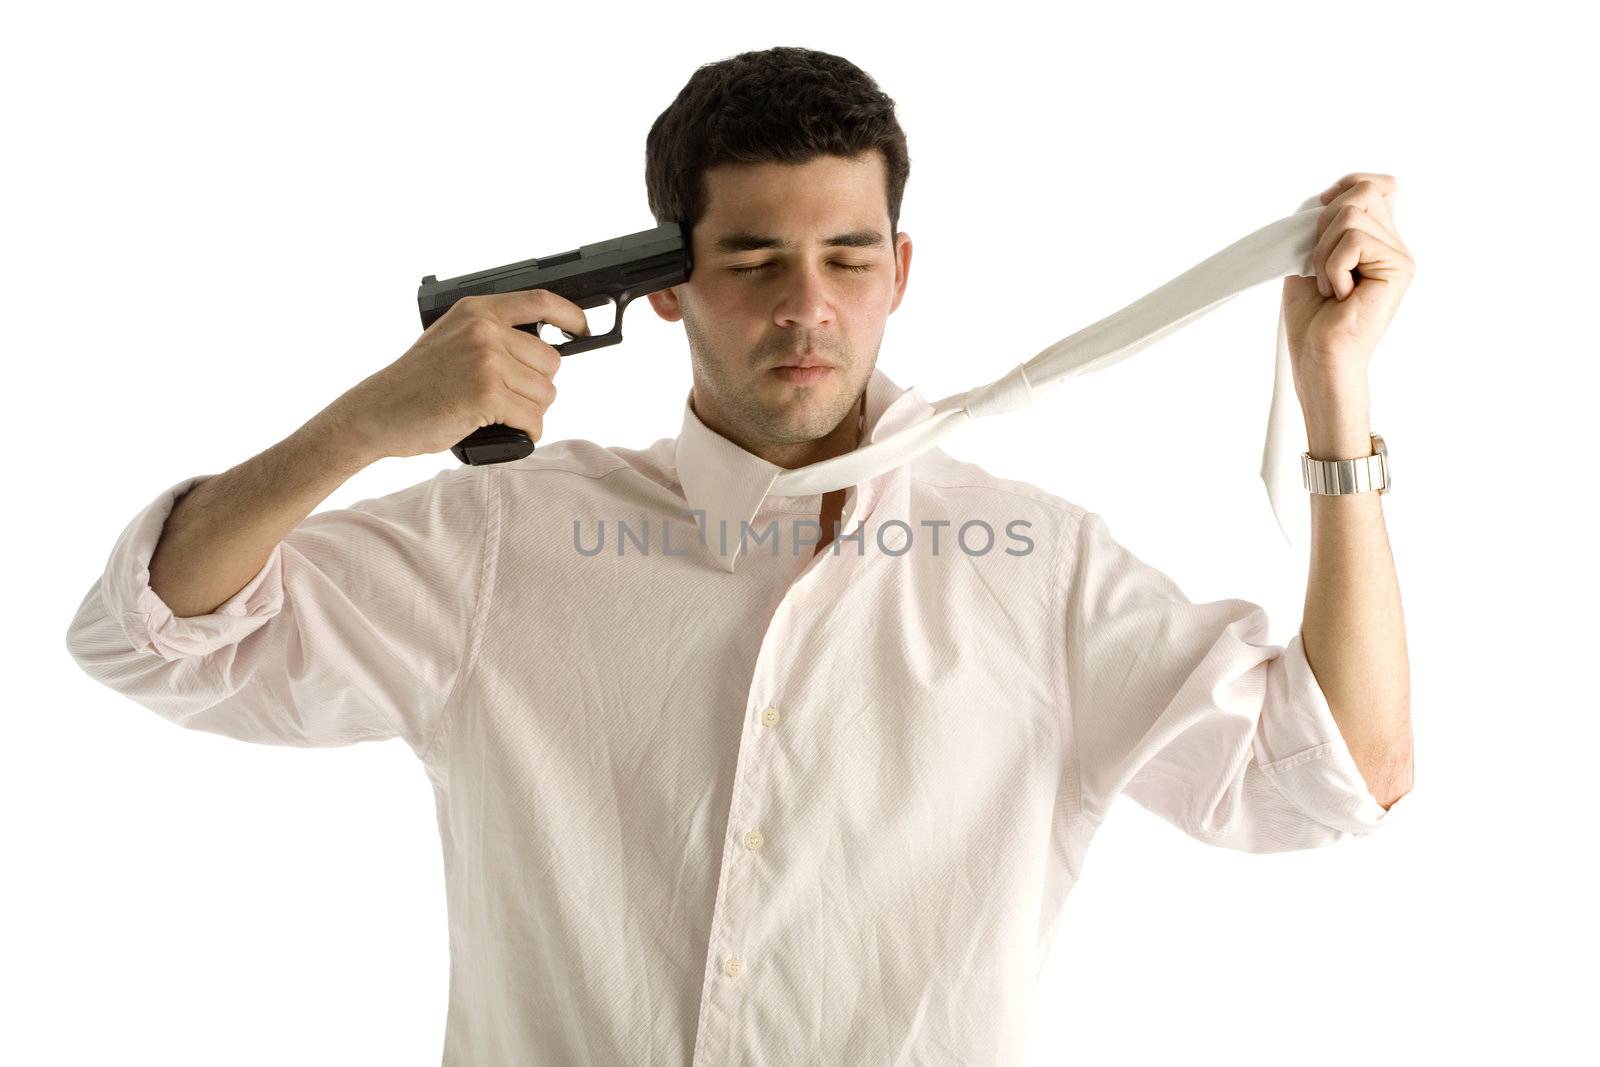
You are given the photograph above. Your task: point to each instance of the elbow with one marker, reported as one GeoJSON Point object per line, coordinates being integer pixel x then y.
{"type": "Point", "coordinates": [1389, 775]}
{"type": "Point", "coordinates": [1395, 790]}
{"type": "Point", "coordinates": [1386, 762]}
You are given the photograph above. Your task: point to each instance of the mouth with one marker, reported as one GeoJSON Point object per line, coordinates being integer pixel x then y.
{"type": "Point", "coordinates": [805, 371]}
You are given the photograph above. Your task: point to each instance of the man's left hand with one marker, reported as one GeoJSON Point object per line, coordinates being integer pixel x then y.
{"type": "Point", "coordinates": [1334, 319]}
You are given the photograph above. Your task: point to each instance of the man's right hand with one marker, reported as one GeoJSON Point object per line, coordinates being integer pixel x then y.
{"type": "Point", "coordinates": [469, 369]}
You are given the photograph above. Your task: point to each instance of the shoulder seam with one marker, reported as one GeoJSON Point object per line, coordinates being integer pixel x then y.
{"type": "Point", "coordinates": [568, 470]}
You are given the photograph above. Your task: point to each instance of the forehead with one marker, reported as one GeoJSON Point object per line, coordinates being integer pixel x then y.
{"type": "Point", "coordinates": [825, 197]}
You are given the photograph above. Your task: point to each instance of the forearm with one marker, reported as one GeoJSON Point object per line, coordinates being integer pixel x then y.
{"type": "Point", "coordinates": [1353, 631]}
{"type": "Point", "coordinates": [222, 531]}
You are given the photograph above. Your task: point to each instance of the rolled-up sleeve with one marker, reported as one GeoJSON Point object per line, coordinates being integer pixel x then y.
{"type": "Point", "coordinates": [356, 628]}
{"type": "Point", "coordinates": [1190, 711]}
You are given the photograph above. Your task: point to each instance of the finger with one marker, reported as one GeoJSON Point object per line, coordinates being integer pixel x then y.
{"type": "Point", "coordinates": [1376, 259]}
{"type": "Point", "coordinates": [1366, 195]}
{"type": "Point", "coordinates": [534, 352]}
{"type": "Point", "coordinates": [531, 305]}
{"type": "Point", "coordinates": [1385, 182]}
{"type": "Point", "coordinates": [1349, 217]}
{"type": "Point", "coordinates": [529, 384]}
{"type": "Point", "coordinates": [1375, 208]}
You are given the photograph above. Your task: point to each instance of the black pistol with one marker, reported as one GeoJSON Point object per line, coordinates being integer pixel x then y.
{"type": "Point", "coordinates": [617, 270]}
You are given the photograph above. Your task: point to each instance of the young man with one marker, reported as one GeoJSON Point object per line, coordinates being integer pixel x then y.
{"type": "Point", "coordinates": [717, 791]}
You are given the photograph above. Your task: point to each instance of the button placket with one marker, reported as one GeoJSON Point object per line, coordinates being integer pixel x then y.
{"type": "Point", "coordinates": [737, 897]}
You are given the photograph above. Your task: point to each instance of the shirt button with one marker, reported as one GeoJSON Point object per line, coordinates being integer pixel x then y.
{"type": "Point", "coordinates": [734, 966]}
{"type": "Point", "coordinates": [753, 839]}
{"type": "Point", "coordinates": [770, 716]}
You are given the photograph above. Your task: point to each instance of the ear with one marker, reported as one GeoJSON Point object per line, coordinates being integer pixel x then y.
{"type": "Point", "coordinates": [902, 267]}
{"type": "Point", "coordinates": [665, 301]}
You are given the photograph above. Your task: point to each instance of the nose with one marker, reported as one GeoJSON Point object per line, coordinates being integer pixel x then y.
{"type": "Point", "coordinates": [806, 301]}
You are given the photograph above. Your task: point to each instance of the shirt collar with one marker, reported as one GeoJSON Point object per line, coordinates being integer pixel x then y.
{"type": "Point", "coordinates": [730, 485]}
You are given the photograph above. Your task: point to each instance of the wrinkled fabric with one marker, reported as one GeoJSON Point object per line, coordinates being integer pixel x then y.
{"type": "Point", "coordinates": [712, 804]}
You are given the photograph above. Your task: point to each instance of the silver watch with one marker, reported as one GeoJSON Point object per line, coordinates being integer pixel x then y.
{"type": "Point", "coordinates": [1335, 477]}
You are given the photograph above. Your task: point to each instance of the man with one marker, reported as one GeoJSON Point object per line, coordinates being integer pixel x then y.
{"type": "Point", "coordinates": [801, 779]}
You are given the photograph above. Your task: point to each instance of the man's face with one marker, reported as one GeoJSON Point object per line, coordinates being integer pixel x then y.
{"type": "Point", "coordinates": [748, 310]}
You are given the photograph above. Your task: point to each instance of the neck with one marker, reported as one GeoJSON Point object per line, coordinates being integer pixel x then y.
{"type": "Point", "coordinates": [843, 438]}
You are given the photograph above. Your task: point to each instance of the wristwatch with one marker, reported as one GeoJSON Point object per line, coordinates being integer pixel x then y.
{"type": "Point", "coordinates": [1335, 477]}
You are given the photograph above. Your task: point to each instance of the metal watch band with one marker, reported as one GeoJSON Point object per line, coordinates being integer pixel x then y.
{"type": "Point", "coordinates": [1336, 477]}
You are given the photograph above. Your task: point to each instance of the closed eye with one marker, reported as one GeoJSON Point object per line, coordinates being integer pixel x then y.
{"type": "Point", "coordinates": [760, 266]}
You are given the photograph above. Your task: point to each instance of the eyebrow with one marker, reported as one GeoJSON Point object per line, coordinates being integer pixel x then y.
{"type": "Point", "coordinates": [745, 241]}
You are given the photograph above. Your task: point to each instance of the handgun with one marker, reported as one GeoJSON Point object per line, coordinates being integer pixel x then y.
{"type": "Point", "coordinates": [618, 270]}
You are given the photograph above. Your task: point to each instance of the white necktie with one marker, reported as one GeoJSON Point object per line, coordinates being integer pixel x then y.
{"type": "Point", "coordinates": [1274, 251]}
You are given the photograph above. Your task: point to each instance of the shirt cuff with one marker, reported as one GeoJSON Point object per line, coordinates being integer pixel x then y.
{"type": "Point", "coordinates": [1301, 751]}
{"type": "Point", "coordinates": [147, 620]}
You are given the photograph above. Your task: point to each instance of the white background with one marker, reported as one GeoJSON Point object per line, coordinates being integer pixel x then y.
{"type": "Point", "coordinates": [215, 222]}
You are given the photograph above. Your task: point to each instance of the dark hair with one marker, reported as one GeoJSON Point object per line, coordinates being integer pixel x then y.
{"type": "Point", "coordinates": [785, 104]}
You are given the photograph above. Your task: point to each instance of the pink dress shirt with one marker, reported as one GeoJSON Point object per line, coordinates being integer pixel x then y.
{"type": "Point", "coordinates": [711, 803]}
